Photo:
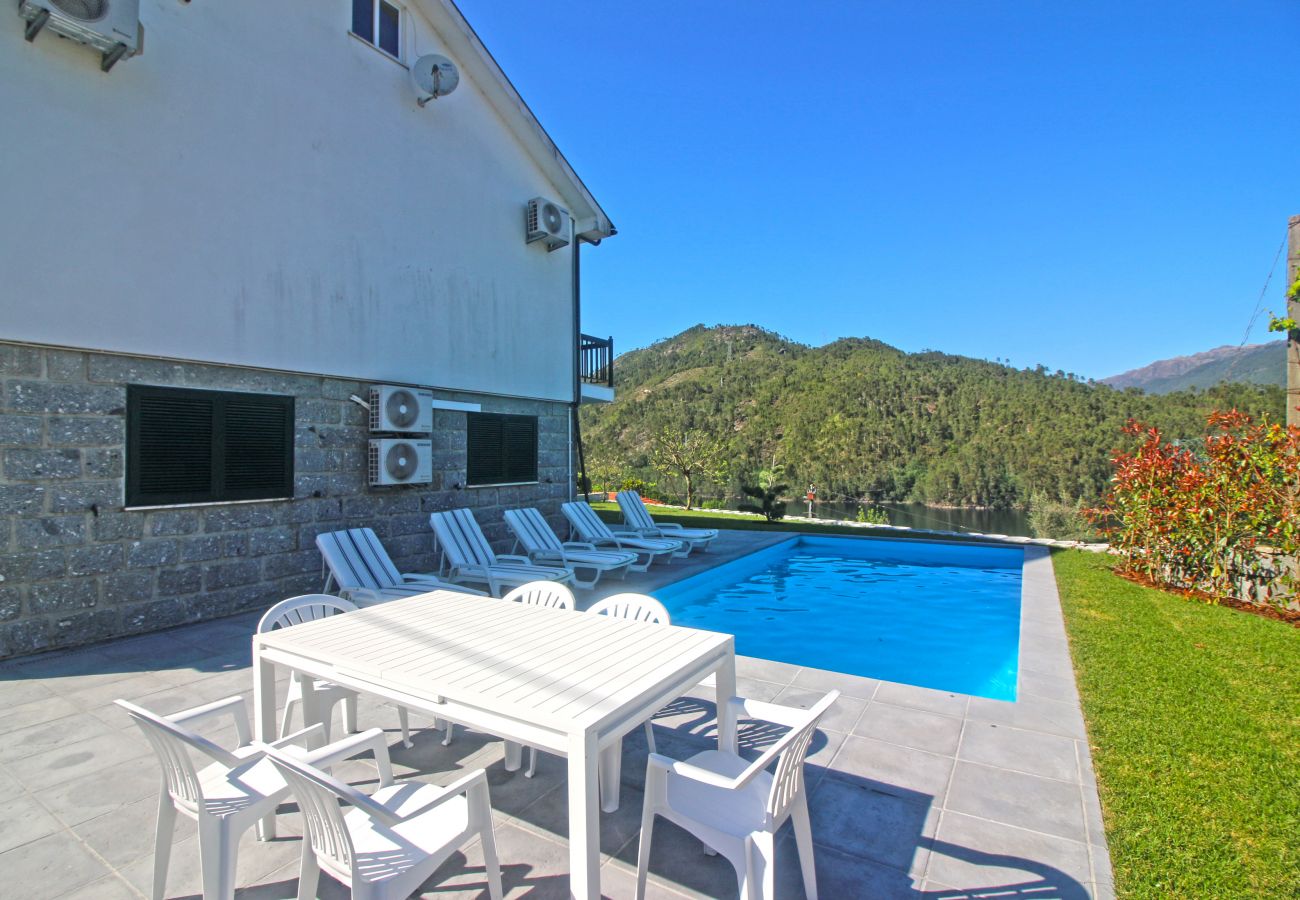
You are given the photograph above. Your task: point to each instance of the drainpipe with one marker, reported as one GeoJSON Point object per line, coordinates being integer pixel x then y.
{"type": "Point", "coordinates": [575, 426]}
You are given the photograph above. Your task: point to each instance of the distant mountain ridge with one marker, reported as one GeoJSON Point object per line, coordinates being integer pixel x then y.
{"type": "Point", "coordinates": [860, 418]}
{"type": "Point", "coordinates": [1251, 364]}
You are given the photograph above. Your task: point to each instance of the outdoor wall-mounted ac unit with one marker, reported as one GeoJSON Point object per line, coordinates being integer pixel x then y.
{"type": "Point", "coordinates": [545, 220]}
{"type": "Point", "coordinates": [110, 26]}
{"type": "Point", "coordinates": [401, 461]}
{"type": "Point", "coordinates": [401, 409]}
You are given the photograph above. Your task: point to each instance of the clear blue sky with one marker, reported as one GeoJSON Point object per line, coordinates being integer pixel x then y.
{"type": "Point", "coordinates": [1091, 186]}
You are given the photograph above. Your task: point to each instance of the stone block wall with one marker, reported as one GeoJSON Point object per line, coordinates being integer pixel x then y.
{"type": "Point", "coordinates": [77, 567]}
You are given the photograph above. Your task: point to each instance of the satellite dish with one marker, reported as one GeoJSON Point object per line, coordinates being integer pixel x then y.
{"type": "Point", "coordinates": [433, 76]}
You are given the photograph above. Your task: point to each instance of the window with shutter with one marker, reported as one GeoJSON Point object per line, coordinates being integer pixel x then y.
{"type": "Point", "coordinates": [501, 449]}
{"type": "Point", "coordinates": [192, 446]}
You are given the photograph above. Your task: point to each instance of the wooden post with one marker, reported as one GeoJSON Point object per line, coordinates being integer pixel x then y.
{"type": "Point", "coordinates": [1293, 335]}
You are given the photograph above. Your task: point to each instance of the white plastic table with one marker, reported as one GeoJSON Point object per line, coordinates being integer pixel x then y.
{"type": "Point", "coordinates": [562, 681]}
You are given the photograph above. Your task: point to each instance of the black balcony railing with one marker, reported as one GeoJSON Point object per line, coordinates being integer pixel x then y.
{"type": "Point", "coordinates": [596, 360]}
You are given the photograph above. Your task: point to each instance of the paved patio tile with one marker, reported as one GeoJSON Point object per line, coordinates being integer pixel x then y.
{"type": "Point", "coordinates": [24, 820]}
{"type": "Point", "coordinates": [765, 669]}
{"type": "Point", "coordinates": [979, 856]}
{"type": "Point", "coordinates": [35, 712]}
{"type": "Point", "coordinates": [111, 888]}
{"type": "Point", "coordinates": [842, 716]}
{"type": "Point", "coordinates": [1030, 801]}
{"type": "Point", "coordinates": [73, 760]}
{"type": "Point", "coordinates": [863, 819]}
{"type": "Point", "coordinates": [840, 875]}
{"type": "Point", "coordinates": [910, 727]}
{"type": "Point", "coordinates": [1023, 751]}
{"type": "Point", "coordinates": [1030, 714]}
{"type": "Point", "coordinates": [945, 702]}
{"type": "Point", "coordinates": [849, 685]}
{"type": "Point", "coordinates": [36, 740]}
{"type": "Point", "coordinates": [256, 860]}
{"type": "Point", "coordinates": [102, 790]}
{"type": "Point", "coordinates": [16, 691]}
{"type": "Point", "coordinates": [896, 769]}
{"type": "Point", "coordinates": [50, 867]}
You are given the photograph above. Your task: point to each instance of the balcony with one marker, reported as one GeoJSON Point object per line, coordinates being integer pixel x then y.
{"type": "Point", "coordinates": [596, 368]}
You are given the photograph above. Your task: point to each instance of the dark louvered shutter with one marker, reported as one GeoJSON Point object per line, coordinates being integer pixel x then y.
{"type": "Point", "coordinates": [501, 449]}
{"type": "Point", "coordinates": [258, 448]}
{"type": "Point", "coordinates": [190, 446]}
{"type": "Point", "coordinates": [519, 446]}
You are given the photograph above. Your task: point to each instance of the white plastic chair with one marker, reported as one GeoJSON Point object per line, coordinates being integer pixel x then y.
{"type": "Point", "coordinates": [389, 842]}
{"type": "Point", "coordinates": [593, 529]}
{"type": "Point", "coordinates": [309, 608]}
{"type": "Point", "coordinates": [736, 807]}
{"type": "Point", "coordinates": [544, 546]}
{"type": "Point", "coordinates": [225, 797]}
{"type": "Point", "coordinates": [638, 518]}
{"type": "Point", "coordinates": [550, 595]}
{"type": "Point", "coordinates": [638, 608]}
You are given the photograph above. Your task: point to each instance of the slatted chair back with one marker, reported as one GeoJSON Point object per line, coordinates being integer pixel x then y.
{"type": "Point", "coordinates": [550, 594]}
{"type": "Point", "coordinates": [318, 798]}
{"type": "Point", "coordinates": [634, 511]}
{"type": "Point", "coordinates": [172, 744]}
{"type": "Point", "coordinates": [296, 610]}
{"type": "Point", "coordinates": [460, 539]}
{"type": "Point", "coordinates": [790, 750]}
{"type": "Point", "coordinates": [533, 532]}
{"type": "Point", "coordinates": [585, 522]}
{"type": "Point", "coordinates": [637, 607]}
{"type": "Point", "coordinates": [356, 559]}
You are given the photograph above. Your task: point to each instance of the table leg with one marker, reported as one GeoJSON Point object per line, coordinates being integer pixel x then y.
{"type": "Point", "coordinates": [584, 818]}
{"type": "Point", "coordinates": [313, 712]}
{"type": "Point", "coordinates": [514, 756]}
{"type": "Point", "coordinates": [611, 775]}
{"type": "Point", "coordinates": [264, 723]}
{"type": "Point", "coordinates": [726, 677]}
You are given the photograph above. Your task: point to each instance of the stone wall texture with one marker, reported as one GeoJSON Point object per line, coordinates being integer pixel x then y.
{"type": "Point", "coordinates": [76, 567]}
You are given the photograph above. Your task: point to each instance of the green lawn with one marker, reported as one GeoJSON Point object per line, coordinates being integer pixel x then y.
{"type": "Point", "coordinates": [1193, 714]}
{"type": "Point", "coordinates": [1194, 719]}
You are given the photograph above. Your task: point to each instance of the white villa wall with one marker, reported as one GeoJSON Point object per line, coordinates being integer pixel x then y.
{"type": "Point", "coordinates": [260, 188]}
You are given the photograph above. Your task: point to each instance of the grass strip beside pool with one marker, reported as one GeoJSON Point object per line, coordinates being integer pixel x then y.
{"type": "Point", "coordinates": [1193, 715]}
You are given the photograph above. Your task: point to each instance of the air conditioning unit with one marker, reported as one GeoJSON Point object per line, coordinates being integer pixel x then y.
{"type": "Point", "coordinates": [401, 461]}
{"type": "Point", "coordinates": [403, 409]}
{"type": "Point", "coordinates": [110, 26]}
{"type": "Point", "coordinates": [545, 220]}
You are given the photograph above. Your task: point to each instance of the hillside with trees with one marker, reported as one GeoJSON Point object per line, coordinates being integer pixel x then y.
{"type": "Point", "coordinates": [861, 419]}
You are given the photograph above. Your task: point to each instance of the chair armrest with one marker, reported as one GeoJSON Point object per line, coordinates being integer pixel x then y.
{"type": "Point", "coordinates": [668, 526]}
{"type": "Point", "coordinates": [743, 707]}
{"type": "Point", "coordinates": [359, 595]}
{"type": "Point", "coordinates": [230, 706]}
{"type": "Point", "coordinates": [693, 773]}
{"type": "Point", "coordinates": [512, 557]}
{"type": "Point", "coordinates": [624, 529]}
{"type": "Point", "coordinates": [371, 739]}
{"type": "Point", "coordinates": [312, 736]}
{"type": "Point", "coordinates": [579, 545]}
{"type": "Point", "coordinates": [462, 785]}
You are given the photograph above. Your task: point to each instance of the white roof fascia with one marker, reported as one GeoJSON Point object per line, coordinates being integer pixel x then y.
{"type": "Point", "coordinates": [465, 47]}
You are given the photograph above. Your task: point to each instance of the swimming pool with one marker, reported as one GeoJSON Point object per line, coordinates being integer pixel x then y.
{"type": "Point", "coordinates": [937, 615]}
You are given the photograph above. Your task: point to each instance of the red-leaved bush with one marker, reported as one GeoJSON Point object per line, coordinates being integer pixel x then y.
{"type": "Point", "coordinates": [1223, 519]}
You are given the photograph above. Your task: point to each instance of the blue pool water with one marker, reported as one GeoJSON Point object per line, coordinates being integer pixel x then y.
{"type": "Point", "coordinates": [944, 616]}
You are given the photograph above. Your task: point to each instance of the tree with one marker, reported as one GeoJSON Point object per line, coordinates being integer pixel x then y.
{"type": "Point", "coordinates": [766, 492]}
{"type": "Point", "coordinates": [691, 454]}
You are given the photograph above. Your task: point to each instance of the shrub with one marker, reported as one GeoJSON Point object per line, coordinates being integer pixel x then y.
{"type": "Point", "coordinates": [1061, 521]}
{"type": "Point", "coordinates": [875, 515]}
{"type": "Point", "coordinates": [768, 505]}
{"type": "Point", "coordinates": [1225, 522]}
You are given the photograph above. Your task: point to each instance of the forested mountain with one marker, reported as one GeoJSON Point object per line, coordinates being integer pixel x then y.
{"type": "Point", "coordinates": [1254, 363]}
{"type": "Point", "coordinates": [862, 419]}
